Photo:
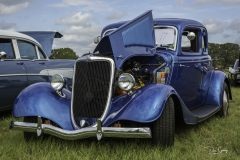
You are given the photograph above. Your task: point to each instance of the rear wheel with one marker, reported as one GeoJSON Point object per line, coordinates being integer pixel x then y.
{"type": "Point", "coordinates": [29, 136]}
{"type": "Point", "coordinates": [164, 127]}
{"type": "Point", "coordinates": [225, 101]}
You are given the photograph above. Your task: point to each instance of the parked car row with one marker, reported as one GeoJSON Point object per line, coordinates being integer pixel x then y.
{"type": "Point", "coordinates": [142, 75]}
{"type": "Point", "coordinates": [23, 62]}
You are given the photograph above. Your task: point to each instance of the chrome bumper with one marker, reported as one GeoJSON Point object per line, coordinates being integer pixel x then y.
{"type": "Point", "coordinates": [87, 132]}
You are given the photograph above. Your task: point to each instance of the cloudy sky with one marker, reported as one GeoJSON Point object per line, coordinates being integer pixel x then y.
{"type": "Point", "coordinates": [81, 20]}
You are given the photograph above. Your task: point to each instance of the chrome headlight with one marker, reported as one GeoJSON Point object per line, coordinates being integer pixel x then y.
{"type": "Point", "coordinates": [126, 81]}
{"type": "Point", "coordinates": [57, 82]}
{"type": "Point", "coordinates": [238, 76]}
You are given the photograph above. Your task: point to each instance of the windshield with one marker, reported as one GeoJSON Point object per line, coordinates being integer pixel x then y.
{"type": "Point", "coordinates": [165, 37]}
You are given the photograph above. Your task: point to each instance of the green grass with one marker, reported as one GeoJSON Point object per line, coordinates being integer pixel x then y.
{"type": "Point", "coordinates": [191, 142]}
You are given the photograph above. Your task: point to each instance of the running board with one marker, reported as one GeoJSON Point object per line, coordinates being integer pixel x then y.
{"type": "Point", "coordinates": [205, 111]}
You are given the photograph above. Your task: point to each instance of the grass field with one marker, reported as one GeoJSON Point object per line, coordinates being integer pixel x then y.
{"type": "Point", "coordinates": [215, 138]}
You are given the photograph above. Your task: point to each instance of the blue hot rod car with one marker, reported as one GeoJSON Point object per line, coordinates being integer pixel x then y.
{"type": "Point", "coordinates": [142, 74]}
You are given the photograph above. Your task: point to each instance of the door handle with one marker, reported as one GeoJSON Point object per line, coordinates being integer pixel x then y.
{"type": "Point", "coordinates": [41, 62]}
{"type": "Point", "coordinates": [182, 65]}
{"type": "Point", "coordinates": [20, 63]}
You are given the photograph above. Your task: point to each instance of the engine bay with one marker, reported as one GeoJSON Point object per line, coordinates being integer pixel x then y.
{"type": "Point", "coordinates": [145, 70]}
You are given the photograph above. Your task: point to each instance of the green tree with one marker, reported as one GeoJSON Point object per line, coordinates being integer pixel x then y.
{"type": "Point", "coordinates": [63, 53]}
{"type": "Point", "coordinates": [224, 54]}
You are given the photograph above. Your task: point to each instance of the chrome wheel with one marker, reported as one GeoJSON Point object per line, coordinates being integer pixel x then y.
{"type": "Point", "coordinates": [223, 112]}
{"type": "Point", "coordinates": [225, 103]}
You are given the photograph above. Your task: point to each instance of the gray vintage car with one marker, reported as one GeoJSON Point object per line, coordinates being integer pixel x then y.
{"type": "Point", "coordinates": [234, 73]}
{"type": "Point", "coordinates": [24, 61]}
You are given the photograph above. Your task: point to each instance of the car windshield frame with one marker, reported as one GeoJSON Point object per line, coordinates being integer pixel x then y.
{"type": "Point", "coordinates": [167, 47]}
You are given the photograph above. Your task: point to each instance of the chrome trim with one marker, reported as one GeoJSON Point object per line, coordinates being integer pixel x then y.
{"type": "Point", "coordinates": [16, 50]}
{"type": "Point", "coordinates": [87, 132]}
{"type": "Point", "coordinates": [109, 30]}
{"type": "Point", "coordinates": [61, 94]}
{"type": "Point", "coordinates": [5, 75]}
{"type": "Point", "coordinates": [88, 58]}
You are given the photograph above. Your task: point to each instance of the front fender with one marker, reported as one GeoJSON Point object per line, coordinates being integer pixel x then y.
{"type": "Point", "coordinates": [214, 96]}
{"type": "Point", "coordinates": [145, 105]}
{"type": "Point", "coordinates": [41, 100]}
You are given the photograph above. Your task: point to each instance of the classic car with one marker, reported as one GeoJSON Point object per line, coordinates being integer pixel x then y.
{"type": "Point", "coordinates": [143, 75]}
{"type": "Point", "coordinates": [234, 73]}
{"type": "Point", "coordinates": [23, 61]}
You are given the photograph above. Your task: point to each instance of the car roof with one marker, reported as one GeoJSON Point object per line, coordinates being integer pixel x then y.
{"type": "Point", "coordinates": [9, 33]}
{"type": "Point", "coordinates": [177, 22]}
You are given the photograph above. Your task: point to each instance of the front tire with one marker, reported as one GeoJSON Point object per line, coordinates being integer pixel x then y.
{"type": "Point", "coordinates": [164, 127]}
{"type": "Point", "coordinates": [225, 101]}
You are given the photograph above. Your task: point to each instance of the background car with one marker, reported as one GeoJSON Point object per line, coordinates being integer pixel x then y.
{"type": "Point", "coordinates": [234, 73]}
{"type": "Point", "coordinates": [143, 76]}
{"type": "Point", "coordinates": [23, 62]}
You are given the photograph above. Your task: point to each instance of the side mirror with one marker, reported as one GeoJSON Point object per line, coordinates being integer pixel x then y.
{"type": "Point", "coordinates": [97, 39]}
{"type": "Point", "coordinates": [2, 54]}
{"type": "Point", "coordinates": [191, 36]}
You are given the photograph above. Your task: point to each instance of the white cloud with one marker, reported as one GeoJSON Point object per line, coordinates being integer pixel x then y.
{"type": "Point", "coordinates": [79, 33]}
{"type": "Point", "coordinates": [87, 3]}
{"type": "Point", "coordinates": [10, 8]}
{"type": "Point", "coordinates": [226, 35]}
{"type": "Point", "coordinates": [235, 25]}
{"type": "Point", "coordinates": [225, 2]}
{"type": "Point", "coordinates": [79, 2]}
{"type": "Point", "coordinates": [178, 3]}
{"type": "Point", "coordinates": [76, 19]}
{"type": "Point", "coordinates": [237, 40]}
{"type": "Point", "coordinates": [6, 25]}
{"type": "Point", "coordinates": [116, 15]}
{"type": "Point", "coordinates": [213, 26]}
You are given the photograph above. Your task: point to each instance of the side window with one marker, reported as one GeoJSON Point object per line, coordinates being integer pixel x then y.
{"type": "Point", "coordinates": [27, 50]}
{"type": "Point", "coordinates": [41, 54]}
{"type": "Point", "coordinates": [7, 47]}
{"type": "Point", "coordinates": [190, 45]}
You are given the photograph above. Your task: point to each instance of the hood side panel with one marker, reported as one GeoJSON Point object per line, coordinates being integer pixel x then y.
{"type": "Point", "coordinates": [138, 35]}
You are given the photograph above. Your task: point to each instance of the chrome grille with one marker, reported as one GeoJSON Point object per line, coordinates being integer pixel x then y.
{"type": "Point", "coordinates": [92, 83]}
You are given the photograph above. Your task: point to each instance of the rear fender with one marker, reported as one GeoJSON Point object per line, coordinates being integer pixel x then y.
{"type": "Point", "coordinates": [41, 100]}
{"type": "Point", "coordinates": [145, 105]}
{"type": "Point", "coordinates": [214, 96]}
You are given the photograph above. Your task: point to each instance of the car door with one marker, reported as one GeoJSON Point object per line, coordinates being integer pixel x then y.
{"type": "Point", "coordinates": [193, 65]}
{"type": "Point", "coordinates": [13, 77]}
{"type": "Point", "coordinates": [35, 61]}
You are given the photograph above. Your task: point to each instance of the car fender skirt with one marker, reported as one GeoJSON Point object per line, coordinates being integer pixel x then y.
{"type": "Point", "coordinates": [215, 90]}
{"type": "Point", "coordinates": [145, 105]}
{"type": "Point", "coordinates": [41, 100]}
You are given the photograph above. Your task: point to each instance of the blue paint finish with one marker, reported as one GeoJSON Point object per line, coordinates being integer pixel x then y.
{"type": "Point", "coordinates": [11, 86]}
{"type": "Point", "coordinates": [145, 105]}
{"type": "Point", "coordinates": [41, 100]}
{"type": "Point", "coordinates": [203, 91]}
{"type": "Point", "coordinates": [214, 96]}
{"type": "Point", "coordinates": [138, 35]}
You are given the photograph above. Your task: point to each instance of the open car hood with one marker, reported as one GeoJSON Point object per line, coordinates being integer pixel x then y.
{"type": "Point", "coordinates": [136, 37]}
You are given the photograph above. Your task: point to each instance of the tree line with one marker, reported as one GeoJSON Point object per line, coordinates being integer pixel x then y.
{"type": "Point", "coordinates": [223, 55]}
{"type": "Point", "coordinates": [63, 53]}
